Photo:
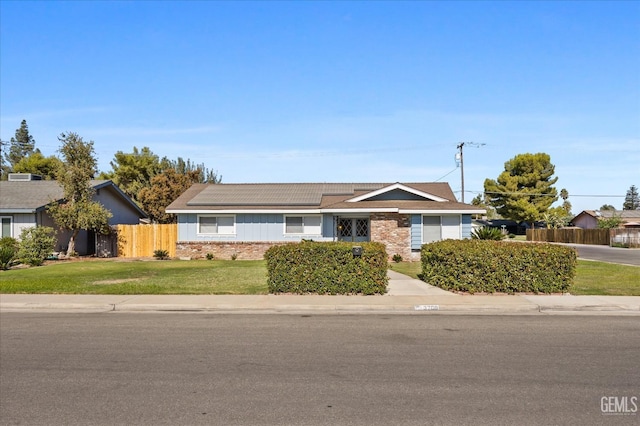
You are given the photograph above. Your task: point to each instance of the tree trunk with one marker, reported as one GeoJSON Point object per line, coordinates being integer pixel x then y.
{"type": "Point", "coordinates": [71, 250]}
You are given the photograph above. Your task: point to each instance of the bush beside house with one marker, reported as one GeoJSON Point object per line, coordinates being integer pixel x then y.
{"type": "Point", "coordinates": [495, 266]}
{"type": "Point", "coordinates": [327, 268]}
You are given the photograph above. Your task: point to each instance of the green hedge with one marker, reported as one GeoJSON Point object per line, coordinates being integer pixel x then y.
{"type": "Point", "coordinates": [497, 266]}
{"type": "Point", "coordinates": [327, 268]}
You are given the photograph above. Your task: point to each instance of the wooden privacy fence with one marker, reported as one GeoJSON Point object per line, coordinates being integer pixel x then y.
{"type": "Point", "coordinates": [572, 235]}
{"type": "Point", "coordinates": [143, 240]}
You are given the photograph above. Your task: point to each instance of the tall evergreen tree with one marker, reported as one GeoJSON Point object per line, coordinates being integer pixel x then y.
{"type": "Point", "coordinates": [631, 200]}
{"type": "Point", "coordinates": [20, 146]}
{"type": "Point", "coordinates": [524, 190]}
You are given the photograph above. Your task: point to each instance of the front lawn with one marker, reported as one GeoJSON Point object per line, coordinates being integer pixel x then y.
{"type": "Point", "coordinates": [118, 276]}
{"type": "Point", "coordinates": [592, 278]}
{"type": "Point", "coordinates": [139, 277]}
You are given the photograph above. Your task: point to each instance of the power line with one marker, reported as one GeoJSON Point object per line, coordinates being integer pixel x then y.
{"type": "Point", "coordinates": [545, 195]}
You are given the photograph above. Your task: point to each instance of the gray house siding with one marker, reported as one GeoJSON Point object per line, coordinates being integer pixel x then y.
{"type": "Point", "coordinates": [416, 231]}
{"type": "Point", "coordinates": [466, 226]}
{"type": "Point", "coordinates": [122, 214]}
{"type": "Point", "coordinates": [250, 227]}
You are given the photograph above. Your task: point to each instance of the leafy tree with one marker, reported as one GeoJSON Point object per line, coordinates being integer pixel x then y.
{"type": "Point", "coordinates": [184, 167]}
{"type": "Point", "coordinates": [524, 191]}
{"type": "Point", "coordinates": [20, 146]}
{"type": "Point", "coordinates": [134, 171]}
{"type": "Point", "coordinates": [164, 189]}
{"type": "Point", "coordinates": [38, 164]}
{"type": "Point", "coordinates": [609, 222]}
{"type": "Point", "coordinates": [607, 207]}
{"type": "Point", "coordinates": [556, 218]}
{"type": "Point", "coordinates": [631, 200]}
{"type": "Point", "coordinates": [78, 210]}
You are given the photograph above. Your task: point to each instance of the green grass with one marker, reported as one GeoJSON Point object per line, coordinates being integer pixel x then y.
{"type": "Point", "coordinates": [599, 278]}
{"type": "Point", "coordinates": [139, 277]}
{"type": "Point", "coordinates": [592, 278]}
{"type": "Point", "coordinates": [238, 277]}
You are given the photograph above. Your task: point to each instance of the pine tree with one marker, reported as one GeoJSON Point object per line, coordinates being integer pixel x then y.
{"type": "Point", "coordinates": [524, 190]}
{"type": "Point", "coordinates": [20, 146]}
{"type": "Point", "coordinates": [631, 200]}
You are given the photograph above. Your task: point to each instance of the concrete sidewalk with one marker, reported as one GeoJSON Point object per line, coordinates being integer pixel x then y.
{"type": "Point", "coordinates": [405, 296]}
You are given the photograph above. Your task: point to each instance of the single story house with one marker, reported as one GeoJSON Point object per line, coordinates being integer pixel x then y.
{"type": "Point", "coordinates": [244, 220]}
{"type": "Point", "coordinates": [24, 199]}
{"type": "Point", "coordinates": [588, 219]}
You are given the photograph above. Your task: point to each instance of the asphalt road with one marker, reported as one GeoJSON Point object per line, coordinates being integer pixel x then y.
{"type": "Point", "coordinates": [189, 369]}
{"type": "Point", "coordinates": [608, 254]}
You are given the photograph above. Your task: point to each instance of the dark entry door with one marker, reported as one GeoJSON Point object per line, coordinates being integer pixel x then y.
{"type": "Point", "coordinates": [353, 229]}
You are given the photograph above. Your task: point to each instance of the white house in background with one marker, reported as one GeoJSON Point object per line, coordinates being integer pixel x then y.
{"type": "Point", "coordinates": [246, 219]}
{"type": "Point", "coordinates": [24, 198]}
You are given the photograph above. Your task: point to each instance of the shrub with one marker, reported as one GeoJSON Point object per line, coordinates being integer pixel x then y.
{"type": "Point", "coordinates": [487, 233]}
{"type": "Point", "coordinates": [210, 256]}
{"type": "Point", "coordinates": [8, 252]}
{"type": "Point", "coordinates": [161, 254]}
{"type": "Point", "coordinates": [495, 266]}
{"type": "Point", "coordinates": [327, 268]}
{"type": "Point", "coordinates": [397, 258]}
{"type": "Point", "coordinates": [36, 244]}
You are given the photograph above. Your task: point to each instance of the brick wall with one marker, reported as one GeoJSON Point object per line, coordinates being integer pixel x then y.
{"type": "Point", "coordinates": [223, 250]}
{"type": "Point", "coordinates": [394, 230]}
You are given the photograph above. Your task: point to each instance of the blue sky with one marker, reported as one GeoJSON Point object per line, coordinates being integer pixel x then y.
{"type": "Point", "coordinates": [336, 91]}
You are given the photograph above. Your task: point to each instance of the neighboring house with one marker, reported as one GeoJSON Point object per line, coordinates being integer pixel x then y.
{"type": "Point", "coordinates": [588, 219]}
{"type": "Point", "coordinates": [247, 219]}
{"type": "Point", "coordinates": [24, 198]}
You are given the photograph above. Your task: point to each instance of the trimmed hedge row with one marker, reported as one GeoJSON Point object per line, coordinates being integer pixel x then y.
{"type": "Point", "coordinates": [327, 268]}
{"type": "Point", "coordinates": [496, 266]}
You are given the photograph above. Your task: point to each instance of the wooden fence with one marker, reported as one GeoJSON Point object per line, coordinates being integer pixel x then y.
{"type": "Point", "coordinates": [143, 240]}
{"type": "Point", "coordinates": [625, 237]}
{"type": "Point", "coordinates": [572, 235]}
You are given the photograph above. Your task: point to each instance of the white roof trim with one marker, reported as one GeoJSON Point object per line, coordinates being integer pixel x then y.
{"type": "Point", "coordinates": [235, 211]}
{"type": "Point", "coordinates": [442, 211]}
{"type": "Point", "coordinates": [321, 211]}
{"type": "Point", "coordinates": [393, 187]}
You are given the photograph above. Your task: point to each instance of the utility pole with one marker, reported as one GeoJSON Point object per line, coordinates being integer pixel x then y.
{"type": "Point", "coordinates": [460, 157]}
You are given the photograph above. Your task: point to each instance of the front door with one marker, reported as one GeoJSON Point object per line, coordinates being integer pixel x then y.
{"type": "Point", "coordinates": [353, 229]}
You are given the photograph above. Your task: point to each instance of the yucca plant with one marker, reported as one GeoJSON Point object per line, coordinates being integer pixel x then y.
{"type": "Point", "coordinates": [487, 233]}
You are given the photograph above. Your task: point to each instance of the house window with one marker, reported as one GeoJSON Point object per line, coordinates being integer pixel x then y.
{"type": "Point", "coordinates": [218, 225]}
{"type": "Point", "coordinates": [6, 227]}
{"type": "Point", "coordinates": [307, 225]}
{"type": "Point", "coordinates": [436, 228]}
{"type": "Point", "coordinates": [431, 229]}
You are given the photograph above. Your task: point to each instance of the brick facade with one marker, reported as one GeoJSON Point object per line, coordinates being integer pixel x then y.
{"type": "Point", "coordinates": [223, 250]}
{"type": "Point", "coordinates": [394, 230]}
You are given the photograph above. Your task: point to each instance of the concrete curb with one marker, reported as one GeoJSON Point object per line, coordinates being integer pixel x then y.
{"type": "Point", "coordinates": [470, 309]}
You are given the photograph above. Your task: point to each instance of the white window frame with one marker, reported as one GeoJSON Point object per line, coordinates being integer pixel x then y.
{"type": "Point", "coordinates": [225, 234]}
{"type": "Point", "coordinates": [304, 227]}
{"type": "Point", "coordinates": [10, 226]}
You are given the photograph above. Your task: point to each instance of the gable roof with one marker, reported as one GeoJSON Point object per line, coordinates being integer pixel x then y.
{"type": "Point", "coordinates": [319, 198]}
{"type": "Point", "coordinates": [33, 196]}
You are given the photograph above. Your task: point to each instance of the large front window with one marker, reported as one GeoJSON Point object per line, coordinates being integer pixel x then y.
{"type": "Point", "coordinates": [216, 225]}
{"type": "Point", "coordinates": [303, 225]}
